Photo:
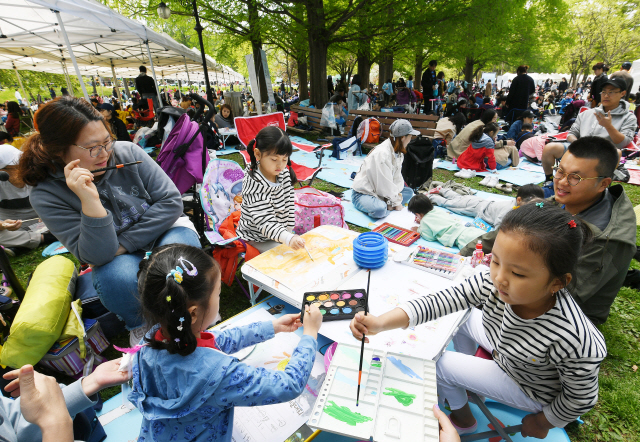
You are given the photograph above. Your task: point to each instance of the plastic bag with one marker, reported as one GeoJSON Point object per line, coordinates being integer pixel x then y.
{"type": "Point", "coordinates": [328, 118]}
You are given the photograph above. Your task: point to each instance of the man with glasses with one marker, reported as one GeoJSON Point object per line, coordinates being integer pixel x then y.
{"type": "Point", "coordinates": [611, 121]}
{"type": "Point", "coordinates": [582, 184]}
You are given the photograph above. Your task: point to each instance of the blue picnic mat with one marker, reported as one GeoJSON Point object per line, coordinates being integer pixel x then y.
{"type": "Point", "coordinates": [354, 216]}
{"type": "Point", "coordinates": [334, 171]}
{"type": "Point", "coordinates": [301, 140]}
{"type": "Point", "coordinates": [227, 151]}
{"type": "Point", "coordinates": [525, 173]}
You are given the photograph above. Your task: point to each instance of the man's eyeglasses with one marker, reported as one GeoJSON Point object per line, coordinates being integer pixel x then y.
{"type": "Point", "coordinates": [572, 178]}
{"type": "Point", "coordinates": [609, 93]}
{"type": "Point", "coordinates": [95, 151]}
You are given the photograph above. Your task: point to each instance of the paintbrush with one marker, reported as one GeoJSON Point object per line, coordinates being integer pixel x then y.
{"type": "Point", "coordinates": [310, 257]}
{"type": "Point", "coordinates": [117, 166]}
{"type": "Point", "coordinates": [366, 306]}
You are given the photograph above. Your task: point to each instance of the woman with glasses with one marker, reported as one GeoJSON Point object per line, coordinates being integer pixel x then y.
{"type": "Point", "coordinates": [108, 219]}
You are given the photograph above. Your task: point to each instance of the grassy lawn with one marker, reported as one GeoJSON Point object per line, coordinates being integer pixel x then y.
{"type": "Point", "coordinates": [615, 417]}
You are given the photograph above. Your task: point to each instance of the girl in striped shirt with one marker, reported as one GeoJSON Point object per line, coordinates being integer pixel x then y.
{"type": "Point", "coordinates": [267, 211]}
{"type": "Point", "coordinates": [546, 353]}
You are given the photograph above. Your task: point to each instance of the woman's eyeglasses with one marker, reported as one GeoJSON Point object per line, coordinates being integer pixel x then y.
{"type": "Point", "coordinates": [95, 151]}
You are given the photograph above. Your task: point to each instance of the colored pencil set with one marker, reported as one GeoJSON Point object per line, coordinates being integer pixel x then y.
{"type": "Point", "coordinates": [397, 235]}
{"type": "Point", "coordinates": [439, 262]}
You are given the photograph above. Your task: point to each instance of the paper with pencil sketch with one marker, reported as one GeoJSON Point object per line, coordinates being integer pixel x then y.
{"type": "Point", "coordinates": [332, 251]}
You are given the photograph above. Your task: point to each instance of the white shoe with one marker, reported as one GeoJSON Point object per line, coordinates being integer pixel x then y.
{"type": "Point", "coordinates": [466, 173]}
{"type": "Point", "coordinates": [485, 180]}
{"type": "Point", "coordinates": [460, 173]}
{"type": "Point", "coordinates": [493, 181]}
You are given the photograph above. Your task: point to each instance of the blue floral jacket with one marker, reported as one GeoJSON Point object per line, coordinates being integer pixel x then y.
{"type": "Point", "coordinates": [191, 398]}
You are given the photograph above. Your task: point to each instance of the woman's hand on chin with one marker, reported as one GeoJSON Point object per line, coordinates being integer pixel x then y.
{"type": "Point", "coordinates": [80, 181]}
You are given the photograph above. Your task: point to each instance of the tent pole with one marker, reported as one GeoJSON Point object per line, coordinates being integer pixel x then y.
{"type": "Point", "coordinates": [73, 57]}
{"type": "Point", "coordinates": [187, 68]}
{"type": "Point", "coordinates": [115, 80]}
{"type": "Point", "coordinates": [67, 79]}
{"type": "Point", "coordinates": [22, 89]}
{"type": "Point", "coordinates": [153, 72]}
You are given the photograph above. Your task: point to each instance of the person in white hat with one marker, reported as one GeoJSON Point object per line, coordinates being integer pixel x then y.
{"type": "Point", "coordinates": [378, 186]}
{"type": "Point", "coordinates": [15, 207]}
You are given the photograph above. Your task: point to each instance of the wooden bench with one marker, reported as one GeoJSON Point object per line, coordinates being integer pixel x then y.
{"type": "Point", "coordinates": [313, 119]}
{"type": "Point", "coordinates": [425, 124]}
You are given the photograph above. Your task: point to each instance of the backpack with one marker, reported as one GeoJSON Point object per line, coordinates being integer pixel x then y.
{"type": "Point", "coordinates": [369, 131]}
{"type": "Point", "coordinates": [343, 146]}
{"type": "Point", "coordinates": [293, 119]}
{"type": "Point", "coordinates": [417, 166]}
{"type": "Point", "coordinates": [315, 208]}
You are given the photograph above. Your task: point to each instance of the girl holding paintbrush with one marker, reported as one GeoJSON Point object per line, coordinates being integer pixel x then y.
{"type": "Point", "coordinates": [546, 353]}
{"type": "Point", "coordinates": [108, 219]}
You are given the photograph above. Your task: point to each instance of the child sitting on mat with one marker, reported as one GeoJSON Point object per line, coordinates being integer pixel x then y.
{"type": "Point", "coordinates": [480, 152]}
{"type": "Point", "coordinates": [184, 382]}
{"type": "Point", "coordinates": [546, 352]}
{"type": "Point", "coordinates": [478, 207]}
{"type": "Point", "coordinates": [439, 225]}
{"type": "Point", "coordinates": [267, 212]}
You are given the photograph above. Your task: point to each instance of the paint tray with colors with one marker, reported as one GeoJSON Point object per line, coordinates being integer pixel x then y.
{"type": "Point", "coordinates": [336, 305]}
{"type": "Point", "coordinates": [396, 397]}
{"type": "Point", "coordinates": [434, 261]}
{"type": "Point", "coordinates": [397, 235]}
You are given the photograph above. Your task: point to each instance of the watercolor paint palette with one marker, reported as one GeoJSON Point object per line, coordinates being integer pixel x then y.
{"type": "Point", "coordinates": [397, 395]}
{"type": "Point", "coordinates": [434, 261]}
{"type": "Point", "coordinates": [398, 235]}
{"type": "Point", "coordinates": [336, 305]}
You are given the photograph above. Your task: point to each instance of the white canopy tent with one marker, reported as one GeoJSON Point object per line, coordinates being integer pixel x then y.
{"type": "Point", "coordinates": [84, 35]}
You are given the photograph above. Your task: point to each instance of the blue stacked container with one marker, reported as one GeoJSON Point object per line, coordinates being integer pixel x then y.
{"type": "Point", "coordinates": [370, 250]}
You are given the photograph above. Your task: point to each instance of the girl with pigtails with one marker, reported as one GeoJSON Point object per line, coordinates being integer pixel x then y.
{"type": "Point", "coordinates": [185, 383]}
{"type": "Point", "coordinates": [267, 212]}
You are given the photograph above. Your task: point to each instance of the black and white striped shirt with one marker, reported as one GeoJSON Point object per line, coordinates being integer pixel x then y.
{"type": "Point", "coordinates": [267, 211]}
{"type": "Point", "coordinates": [554, 358]}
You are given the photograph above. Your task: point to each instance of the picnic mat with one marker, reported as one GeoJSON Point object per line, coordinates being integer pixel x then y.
{"type": "Point", "coordinates": [334, 171]}
{"type": "Point", "coordinates": [634, 177]}
{"type": "Point", "coordinates": [525, 173]}
{"type": "Point", "coordinates": [636, 209]}
{"type": "Point", "coordinates": [404, 218]}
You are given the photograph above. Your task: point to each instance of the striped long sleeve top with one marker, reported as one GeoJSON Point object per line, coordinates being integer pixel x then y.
{"type": "Point", "coordinates": [267, 209]}
{"type": "Point", "coordinates": [554, 358]}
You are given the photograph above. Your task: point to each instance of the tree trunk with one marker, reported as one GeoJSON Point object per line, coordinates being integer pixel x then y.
{"type": "Point", "coordinates": [318, 48]}
{"type": "Point", "coordinates": [364, 66]}
{"type": "Point", "coordinates": [417, 71]}
{"type": "Point", "coordinates": [468, 69]}
{"type": "Point", "coordinates": [303, 90]}
{"type": "Point", "coordinates": [386, 68]}
{"type": "Point", "coordinates": [256, 47]}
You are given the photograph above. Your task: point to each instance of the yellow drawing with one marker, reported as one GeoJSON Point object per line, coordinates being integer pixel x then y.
{"type": "Point", "coordinates": [282, 361]}
{"type": "Point", "coordinates": [329, 245]}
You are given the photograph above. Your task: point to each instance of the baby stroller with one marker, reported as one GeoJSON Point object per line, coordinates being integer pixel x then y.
{"type": "Point", "coordinates": [184, 157]}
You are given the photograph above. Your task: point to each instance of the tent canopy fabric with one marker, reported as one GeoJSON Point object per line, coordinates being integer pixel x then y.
{"type": "Point", "coordinates": [100, 38]}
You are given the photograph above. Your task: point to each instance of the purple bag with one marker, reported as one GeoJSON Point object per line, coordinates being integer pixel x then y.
{"type": "Point", "coordinates": [185, 171]}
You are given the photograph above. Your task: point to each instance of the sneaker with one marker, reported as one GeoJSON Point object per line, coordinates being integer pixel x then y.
{"type": "Point", "coordinates": [460, 173]}
{"type": "Point", "coordinates": [136, 335]}
{"type": "Point", "coordinates": [465, 173]}
{"type": "Point", "coordinates": [485, 180]}
{"type": "Point", "coordinates": [493, 181]}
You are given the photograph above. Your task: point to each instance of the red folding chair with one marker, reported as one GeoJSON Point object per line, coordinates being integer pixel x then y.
{"type": "Point", "coordinates": [248, 128]}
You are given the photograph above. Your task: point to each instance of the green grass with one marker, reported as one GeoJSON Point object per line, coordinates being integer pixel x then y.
{"type": "Point", "coordinates": [615, 417]}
